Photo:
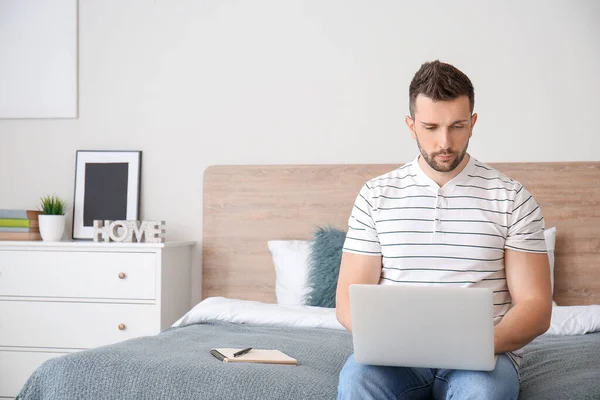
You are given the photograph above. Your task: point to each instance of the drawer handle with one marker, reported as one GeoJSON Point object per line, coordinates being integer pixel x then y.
{"type": "Point", "coordinates": [122, 275]}
{"type": "Point", "coordinates": [122, 327]}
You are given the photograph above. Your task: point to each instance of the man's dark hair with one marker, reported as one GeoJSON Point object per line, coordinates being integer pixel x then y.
{"type": "Point", "coordinates": [440, 82]}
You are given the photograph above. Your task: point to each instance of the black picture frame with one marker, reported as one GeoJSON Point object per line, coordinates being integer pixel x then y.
{"type": "Point", "coordinates": [107, 187]}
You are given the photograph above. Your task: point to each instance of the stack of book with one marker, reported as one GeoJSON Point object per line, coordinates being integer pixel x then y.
{"type": "Point", "coordinates": [19, 225]}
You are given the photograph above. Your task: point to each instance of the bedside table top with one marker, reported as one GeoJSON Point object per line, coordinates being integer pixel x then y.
{"type": "Point", "coordinates": [90, 243]}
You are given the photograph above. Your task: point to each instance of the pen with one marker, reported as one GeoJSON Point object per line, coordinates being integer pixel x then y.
{"type": "Point", "coordinates": [242, 352]}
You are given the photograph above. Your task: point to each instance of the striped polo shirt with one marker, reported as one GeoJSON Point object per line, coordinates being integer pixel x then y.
{"type": "Point", "coordinates": [453, 235]}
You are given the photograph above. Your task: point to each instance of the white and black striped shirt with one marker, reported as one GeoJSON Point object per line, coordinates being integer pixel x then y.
{"type": "Point", "coordinates": [451, 235]}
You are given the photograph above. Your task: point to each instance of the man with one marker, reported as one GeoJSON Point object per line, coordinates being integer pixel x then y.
{"type": "Point", "coordinates": [447, 219]}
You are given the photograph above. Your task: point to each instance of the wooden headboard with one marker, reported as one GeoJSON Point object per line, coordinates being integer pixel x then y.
{"type": "Point", "coordinates": [246, 206]}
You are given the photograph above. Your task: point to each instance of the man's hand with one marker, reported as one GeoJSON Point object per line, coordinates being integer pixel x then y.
{"type": "Point", "coordinates": [355, 268]}
{"type": "Point", "coordinates": [528, 280]}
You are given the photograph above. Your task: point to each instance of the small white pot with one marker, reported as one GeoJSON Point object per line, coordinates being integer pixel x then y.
{"type": "Point", "coordinates": [52, 227]}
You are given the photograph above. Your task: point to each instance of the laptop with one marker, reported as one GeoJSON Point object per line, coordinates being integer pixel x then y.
{"type": "Point", "coordinates": [425, 326]}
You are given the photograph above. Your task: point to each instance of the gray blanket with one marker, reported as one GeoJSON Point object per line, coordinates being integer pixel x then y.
{"type": "Point", "coordinates": [562, 367]}
{"type": "Point", "coordinates": [177, 365]}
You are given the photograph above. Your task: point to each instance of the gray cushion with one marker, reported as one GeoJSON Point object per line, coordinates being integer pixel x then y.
{"type": "Point", "coordinates": [324, 266]}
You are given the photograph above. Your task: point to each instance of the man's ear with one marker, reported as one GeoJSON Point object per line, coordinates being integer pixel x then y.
{"type": "Point", "coordinates": [473, 121]}
{"type": "Point", "coordinates": [410, 123]}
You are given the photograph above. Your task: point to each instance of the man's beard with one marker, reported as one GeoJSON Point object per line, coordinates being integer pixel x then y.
{"type": "Point", "coordinates": [430, 159]}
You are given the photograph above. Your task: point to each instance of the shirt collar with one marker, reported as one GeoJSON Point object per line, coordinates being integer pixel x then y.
{"type": "Point", "coordinates": [460, 178]}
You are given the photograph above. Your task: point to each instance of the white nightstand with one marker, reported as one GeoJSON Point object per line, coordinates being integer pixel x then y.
{"type": "Point", "coordinates": [60, 297]}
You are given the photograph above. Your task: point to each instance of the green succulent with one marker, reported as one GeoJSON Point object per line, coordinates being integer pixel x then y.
{"type": "Point", "coordinates": [52, 205]}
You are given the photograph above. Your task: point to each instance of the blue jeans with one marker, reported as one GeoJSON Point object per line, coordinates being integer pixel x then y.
{"type": "Point", "coordinates": [359, 381]}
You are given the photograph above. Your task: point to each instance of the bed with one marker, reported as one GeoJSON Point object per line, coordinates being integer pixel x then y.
{"type": "Point", "coordinates": [262, 203]}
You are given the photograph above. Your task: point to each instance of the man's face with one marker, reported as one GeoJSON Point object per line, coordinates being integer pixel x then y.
{"type": "Point", "coordinates": [442, 130]}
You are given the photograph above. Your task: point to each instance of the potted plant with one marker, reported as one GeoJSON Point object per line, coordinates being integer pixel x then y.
{"type": "Point", "coordinates": [52, 218]}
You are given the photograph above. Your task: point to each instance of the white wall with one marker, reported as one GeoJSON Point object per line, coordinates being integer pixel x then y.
{"type": "Point", "coordinates": [193, 83]}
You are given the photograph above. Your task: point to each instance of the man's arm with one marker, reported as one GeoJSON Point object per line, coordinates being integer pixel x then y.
{"type": "Point", "coordinates": [528, 279]}
{"type": "Point", "coordinates": [355, 268]}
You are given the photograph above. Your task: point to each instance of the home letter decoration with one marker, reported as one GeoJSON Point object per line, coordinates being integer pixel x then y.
{"type": "Point", "coordinates": [100, 230]}
{"type": "Point", "coordinates": [141, 231]}
{"type": "Point", "coordinates": [116, 236]}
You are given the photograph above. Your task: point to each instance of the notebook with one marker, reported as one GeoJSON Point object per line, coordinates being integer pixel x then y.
{"type": "Point", "coordinates": [254, 356]}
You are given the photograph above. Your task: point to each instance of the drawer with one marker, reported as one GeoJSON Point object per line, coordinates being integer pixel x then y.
{"type": "Point", "coordinates": [78, 274]}
{"type": "Point", "coordinates": [17, 366]}
{"type": "Point", "coordinates": [74, 325]}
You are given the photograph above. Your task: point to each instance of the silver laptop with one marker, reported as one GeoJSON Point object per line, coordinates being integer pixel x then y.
{"type": "Point", "coordinates": [428, 327]}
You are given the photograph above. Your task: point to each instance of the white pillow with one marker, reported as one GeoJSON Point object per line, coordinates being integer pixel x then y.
{"type": "Point", "coordinates": [291, 259]}
{"type": "Point", "coordinates": [574, 320]}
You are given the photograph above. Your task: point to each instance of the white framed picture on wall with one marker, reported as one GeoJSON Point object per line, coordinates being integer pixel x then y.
{"type": "Point", "coordinates": [39, 59]}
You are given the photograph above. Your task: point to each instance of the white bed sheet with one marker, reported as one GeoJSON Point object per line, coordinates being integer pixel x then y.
{"type": "Point", "coordinates": [567, 320]}
{"type": "Point", "coordinates": [255, 312]}
{"type": "Point", "coordinates": [574, 320]}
